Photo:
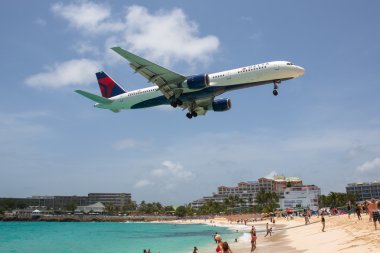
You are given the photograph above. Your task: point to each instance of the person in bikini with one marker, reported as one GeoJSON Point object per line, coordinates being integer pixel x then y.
{"type": "Point", "coordinates": [253, 238]}
{"type": "Point", "coordinates": [219, 248]}
{"type": "Point", "coordinates": [323, 221]}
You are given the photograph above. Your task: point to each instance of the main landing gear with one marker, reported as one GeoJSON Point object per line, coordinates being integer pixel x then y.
{"type": "Point", "coordinates": [176, 103]}
{"type": "Point", "coordinates": [275, 87]}
{"type": "Point", "coordinates": [191, 114]}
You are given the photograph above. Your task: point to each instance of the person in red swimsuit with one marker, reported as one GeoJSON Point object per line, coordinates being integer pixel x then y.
{"type": "Point", "coordinates": [219, 248]}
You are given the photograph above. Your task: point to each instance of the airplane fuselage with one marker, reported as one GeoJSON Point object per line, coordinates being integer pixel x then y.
{"type": "Point", "coordinates": [219, 82]}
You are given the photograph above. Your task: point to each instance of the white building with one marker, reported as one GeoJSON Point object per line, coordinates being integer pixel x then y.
{"type": "Point", "coordinates": [301, 197]}
{"type": "Point", "coordinates": [94, 208]}
{"type": "Point", "coordinates": [247, 191]}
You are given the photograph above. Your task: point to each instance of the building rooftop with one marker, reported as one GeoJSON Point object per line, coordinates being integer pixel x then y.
{"type": "Point", "coordinates": [364, 183]}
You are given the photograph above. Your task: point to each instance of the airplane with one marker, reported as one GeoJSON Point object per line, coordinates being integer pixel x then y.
{"type": "Point", "coordinates": [195, 93]}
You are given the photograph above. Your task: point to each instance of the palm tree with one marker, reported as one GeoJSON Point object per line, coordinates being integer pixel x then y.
{"type": "Point", "coordinates": [109, 207]}
{"type": "Point", "coordinates": [71, 206]}
{"type": "Point", "coordinates": [333, 199]}
{"type": "Point", "coordinates": [267, 201]}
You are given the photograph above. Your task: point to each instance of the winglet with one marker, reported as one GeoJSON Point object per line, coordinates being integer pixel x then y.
{"type": "Point", "coordinates": [93, 97]}
{"type": "Point", "coordinates": [124, 53]}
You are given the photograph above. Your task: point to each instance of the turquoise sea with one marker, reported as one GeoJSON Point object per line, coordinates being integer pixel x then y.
{"type": "Point", "coordinates": [106, 237]}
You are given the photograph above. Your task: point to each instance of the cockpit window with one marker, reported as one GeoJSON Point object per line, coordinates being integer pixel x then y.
{"type": "Point", "coordinates": [289, 63]}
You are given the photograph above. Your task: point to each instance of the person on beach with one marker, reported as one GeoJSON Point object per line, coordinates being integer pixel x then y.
{"type": "Point", "coordinates": [306, 216]}
{"type": "Point", "coordinates": [269, 231]}
{"type": "Point", "coordinates": [364, 207]}
{"type": "Point", "coordinates": [226, 248]}
{"type": "Point", "coordinates": [214, 235]}
{"type": "Point", "coordinates": [253, 238]}
{"type": "Point", "coordinates": [195, 249]}
{"type": "Point", "coordinates": [374, 211]}
{"type": "Point", "coordinates": [323, 221]}
{"type": "Point", "coordinates": [349, 209]}
{"type": "Point", "coordinates": [218, 240]}
{"type": "Point", "coordinates": [358, 211]}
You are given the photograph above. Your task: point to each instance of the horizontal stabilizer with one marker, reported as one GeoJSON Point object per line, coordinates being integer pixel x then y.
{"type": "Point", "coordinates": [93, 97]}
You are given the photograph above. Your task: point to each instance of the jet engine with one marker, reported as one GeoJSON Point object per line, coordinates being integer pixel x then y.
{"type": "Point", "coordinates": [197, 82]}
{"type": "Point", "coordinates": [221, 105]}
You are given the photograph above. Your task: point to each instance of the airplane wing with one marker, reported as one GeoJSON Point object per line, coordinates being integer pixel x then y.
{"type": "Point", "coordinates": [166, 80]}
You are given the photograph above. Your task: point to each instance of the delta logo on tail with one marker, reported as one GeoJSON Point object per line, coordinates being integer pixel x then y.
{"type": "Point", "coordinates": [108, 87]}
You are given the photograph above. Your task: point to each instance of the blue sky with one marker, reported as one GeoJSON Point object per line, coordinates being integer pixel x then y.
{"type": "Point", "coordinates": [323, 127]}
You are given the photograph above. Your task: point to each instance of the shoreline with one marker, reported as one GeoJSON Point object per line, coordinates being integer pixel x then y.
{"type": "Point", "coordinates": [343, 234]}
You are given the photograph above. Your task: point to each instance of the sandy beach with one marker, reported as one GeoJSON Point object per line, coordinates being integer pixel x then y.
{"type": "Point", "coordinates": [341, 235]}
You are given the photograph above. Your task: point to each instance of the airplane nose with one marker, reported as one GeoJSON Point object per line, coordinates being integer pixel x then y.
{"type": "Point", "coordinates": [300, 71]}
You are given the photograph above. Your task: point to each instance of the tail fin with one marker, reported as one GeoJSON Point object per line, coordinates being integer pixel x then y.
{"type": "Point", "coordinates": [108, 86]}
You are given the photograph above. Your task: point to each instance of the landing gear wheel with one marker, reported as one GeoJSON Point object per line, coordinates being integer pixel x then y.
{"type": "Point", "coordinates": [194, 114]}
{"type": "Point", "coordinates": [275, 92]}
{"type": "Point", "coordinates": [174, 104]}
{"type": "Point", "coordinates": [189, 115]}
{"type": "Point", "coordinates": [179, 102]}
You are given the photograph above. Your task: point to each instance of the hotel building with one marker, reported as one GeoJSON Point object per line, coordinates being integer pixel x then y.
{"type": "Point", "coordinates": [247, 191]}
{"type": "Point", "coordinates": [63, 202]}
{"type": "Point", "coordinates": [364, 191]}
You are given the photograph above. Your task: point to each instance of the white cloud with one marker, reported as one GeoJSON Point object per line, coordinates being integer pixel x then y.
{"type": "Point", "coordinates": [158, 172]}
{"type": "Point", "coordinates": [171, 170]}
{"type": "Point", "coordinates": [142, 183]}
{"type": "Point", "coordinates": [86, 47]}
{"type": "Point", "coordinates": [177, 170]}
{"type": "Point", "coordinates": [370, 165]}
{"type": "Point", "coordinates": [169, 176]}
{"type": "Point", "coordinates": [73, 72]}
{"type": "Point", "coordinates": [167, 36]}
{"type": "Point", "coordinates": [87, 16]}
